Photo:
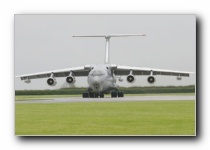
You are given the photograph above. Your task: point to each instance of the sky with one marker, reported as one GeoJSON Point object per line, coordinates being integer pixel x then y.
{"type": "Point", "coordinates": [45, 42]}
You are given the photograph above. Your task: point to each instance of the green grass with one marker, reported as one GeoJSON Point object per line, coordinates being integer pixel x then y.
{"type": "Point", "coordinates": [106, 118]}
{"type": "Point", "coordinates": [42, 97]}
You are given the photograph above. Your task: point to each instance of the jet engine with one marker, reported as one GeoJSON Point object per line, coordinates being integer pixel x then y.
{"type": "Point", "coordinates": [51, 81]}
{"type": "Point", "coordinates": [70, 79]}
{"type": "Point", "coordinates": [130, 78]}
{"type": "Point", "coordinates": [151, 79]}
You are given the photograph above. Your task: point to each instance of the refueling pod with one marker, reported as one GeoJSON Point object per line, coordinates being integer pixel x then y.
{"type": "Point", "coordinates": [179, 78]}
{"type": "Point", "coordinates": [120, 79]}
{"type": "Point", "coordinates": [27, 80]}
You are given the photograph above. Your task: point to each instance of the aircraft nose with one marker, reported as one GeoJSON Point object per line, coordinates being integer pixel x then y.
{"type": "Point", "coordinates": [97, 84]}
{"type": "Point", "coordinates": [96, 80]}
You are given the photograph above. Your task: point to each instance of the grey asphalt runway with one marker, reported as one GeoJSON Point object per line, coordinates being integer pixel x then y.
{"type": "Point", "coordinates": [109, 99]}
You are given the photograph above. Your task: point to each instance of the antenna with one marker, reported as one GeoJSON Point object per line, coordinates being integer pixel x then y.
{"type": "Point", "coordinates": [107, 37]}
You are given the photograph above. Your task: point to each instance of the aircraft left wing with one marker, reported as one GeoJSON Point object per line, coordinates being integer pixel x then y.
{"type": "Point", "coordinates": [126, 70]}
{"type": "Point", "coordinates": [76, 71]}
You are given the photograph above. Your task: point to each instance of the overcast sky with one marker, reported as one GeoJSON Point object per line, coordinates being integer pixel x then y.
{"type": "Point", "coordinates": [45, 42]}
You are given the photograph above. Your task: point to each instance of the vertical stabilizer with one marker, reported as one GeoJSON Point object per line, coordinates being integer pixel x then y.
{"type": "Point", "coordinates": [107, 50]}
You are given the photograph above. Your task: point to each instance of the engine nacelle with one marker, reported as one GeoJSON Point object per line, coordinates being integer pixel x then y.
{"type": "Point", "coordinates": [51, 82]}
{"type": "Point", "coordinates": [130, 78]}
{"type": "Point", "coordinates": [151, 79]}
{"type": "Point", "coordinates": [70, 79]}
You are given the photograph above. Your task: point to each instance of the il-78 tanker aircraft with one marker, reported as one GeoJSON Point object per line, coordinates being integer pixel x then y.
{"type": "Point", "coordinates": [102, 77]}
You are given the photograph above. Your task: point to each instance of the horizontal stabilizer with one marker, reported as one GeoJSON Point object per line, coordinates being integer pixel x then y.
{"type": "Point", "coordinates": [110, 35]}
{"type": "Point", "coordinates": [107, 37]}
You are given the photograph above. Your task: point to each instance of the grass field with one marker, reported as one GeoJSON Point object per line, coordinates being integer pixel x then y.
{"type": "Point", "coordinates": [106, 118]}
{"type": "Point", "coordinates": [42, 97]}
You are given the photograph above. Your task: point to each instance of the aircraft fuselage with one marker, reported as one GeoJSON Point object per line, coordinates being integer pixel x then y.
{"type": "Point", "coordinates": [101, 78]}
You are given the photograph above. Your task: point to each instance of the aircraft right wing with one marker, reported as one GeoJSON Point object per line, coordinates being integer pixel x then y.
{"type": "Point", "coordinates": [125, 70]}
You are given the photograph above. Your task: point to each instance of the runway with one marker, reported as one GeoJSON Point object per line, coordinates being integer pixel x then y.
{"type": "Point", "coordinates": [109, 99]}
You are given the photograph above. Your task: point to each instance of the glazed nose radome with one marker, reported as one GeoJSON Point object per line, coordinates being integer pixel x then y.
{"type": "Point", "coordinates": [96, 80]}
{"type": "Point", "coordinates": [97, 84]}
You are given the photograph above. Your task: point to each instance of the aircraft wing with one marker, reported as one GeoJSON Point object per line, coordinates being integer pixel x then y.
{"type": "Point", "coordinates": [77, 71]}
{"type": "Point", "coordinates": [125, 70]}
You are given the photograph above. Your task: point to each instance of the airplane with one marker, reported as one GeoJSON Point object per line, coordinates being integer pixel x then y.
{"type": "Point", "coordinates": [102, 78]}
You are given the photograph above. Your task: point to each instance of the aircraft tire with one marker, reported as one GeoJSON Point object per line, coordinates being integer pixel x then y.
{"type": "Point", "coordinates": [96, 95]}
{"type": "Point", "coordinates": [120, 94]}
{"type": "Point", "coordinates": [101, 95]}
{"type": "Point", "coordinates": [114, 94]}
{"type": "Point", "coordinates": [85, 95]}
{"type": "Point", "coordinates": [92, 95]}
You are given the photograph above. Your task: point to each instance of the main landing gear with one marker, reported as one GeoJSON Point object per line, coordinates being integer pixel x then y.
{"type": "Point", "coordinates": [93, 95]}
{"type": "Point", "coordinates": [101, 94]}
{"type": "Point", "coordinates": [117, 94]}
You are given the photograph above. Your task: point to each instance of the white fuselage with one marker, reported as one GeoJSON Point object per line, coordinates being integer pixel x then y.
{"type": "Point", "coordinates": [101, 78]}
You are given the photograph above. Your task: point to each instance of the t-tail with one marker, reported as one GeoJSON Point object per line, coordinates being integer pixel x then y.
{"type": "Point", "coordinates": [107, 37]}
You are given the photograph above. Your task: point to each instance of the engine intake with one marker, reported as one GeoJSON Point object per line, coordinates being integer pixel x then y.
{"type": "Point", "coordinates": [130, 78]}
{"type": "Point", "coordinates": [70, 79]}
{"type": "Point", "coordinates": [51, 81]}
{"type": "Point", "coordinates": [151, 79]}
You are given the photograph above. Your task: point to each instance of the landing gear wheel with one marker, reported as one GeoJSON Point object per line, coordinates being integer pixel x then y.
{"type": "Point", "coordinates": [114, 94]}
{"type": "Point", "coordinates": [92, 95]}
{"type": "Point", "coordinates": [101, 95]}
{"type": "Point", "coordinates": [96, 95]}
{"type": "Point", "coordinates": [120, 94]}
{"type": "Point", "coordinates": [85, 95]}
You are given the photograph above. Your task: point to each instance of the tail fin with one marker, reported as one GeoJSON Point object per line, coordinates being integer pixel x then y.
{"type": "Point", "coordinates": [107, 37]}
